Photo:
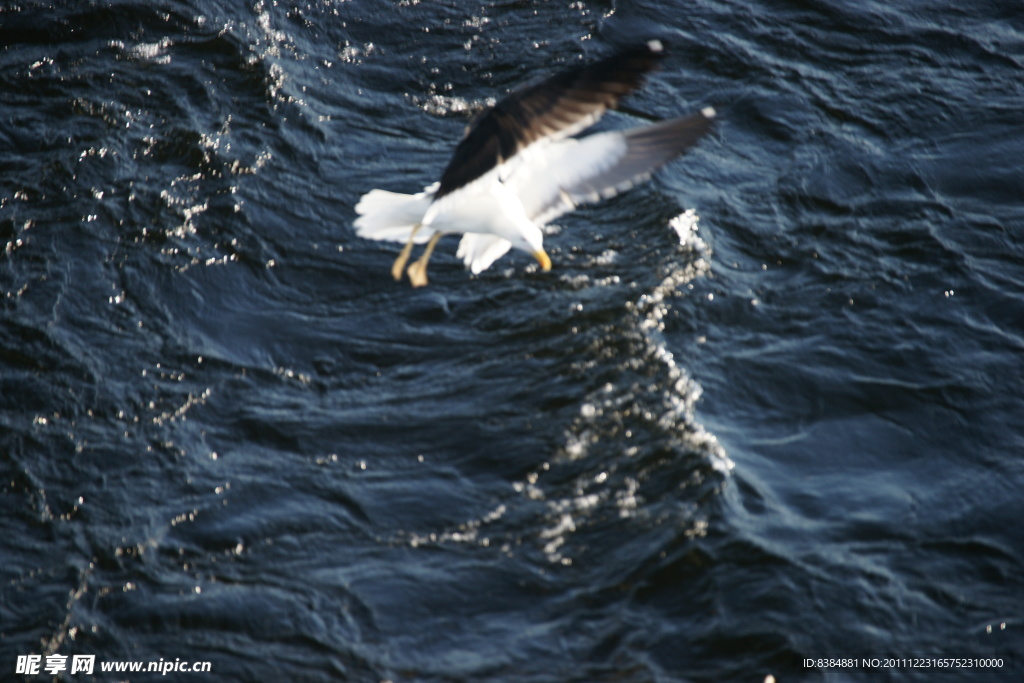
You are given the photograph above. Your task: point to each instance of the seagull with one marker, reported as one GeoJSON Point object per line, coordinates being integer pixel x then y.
{"type": "Point", "coordinates": [522, 163]}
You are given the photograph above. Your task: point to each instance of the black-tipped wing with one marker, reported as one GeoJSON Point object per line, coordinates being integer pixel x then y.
{"type": "Point", "coordinates": [561, 175]}
{"type": "Point", "coordinates": [559, 106]}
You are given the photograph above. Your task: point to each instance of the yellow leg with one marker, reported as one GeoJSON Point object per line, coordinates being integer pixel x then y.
{"type": "Point", "coordinates": [403, 257]}
{"type": "Point", "coordinates": [418, 270]}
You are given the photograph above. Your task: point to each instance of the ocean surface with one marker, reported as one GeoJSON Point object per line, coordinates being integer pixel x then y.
{"type": "Point", "coordinates": [764, 409]}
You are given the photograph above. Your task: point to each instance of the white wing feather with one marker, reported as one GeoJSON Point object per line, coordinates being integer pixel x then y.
{"type": "Point", "coordinates": [555, 177]}
{"type": "Point", "coordinates": [478, 250]}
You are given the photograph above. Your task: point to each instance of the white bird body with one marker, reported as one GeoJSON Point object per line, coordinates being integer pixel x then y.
{"type": "Point", "coordinates": [488, 214]}
{"type": "Point", "coordinates": [518, 168]}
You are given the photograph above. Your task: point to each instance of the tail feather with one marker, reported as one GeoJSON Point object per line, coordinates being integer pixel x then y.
{"type": "Point", "coordinates": [391, 216]}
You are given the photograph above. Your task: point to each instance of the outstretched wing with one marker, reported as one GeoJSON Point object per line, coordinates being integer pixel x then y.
{"type": "Point", "coordinates": [558, 107]}
{"type": "Point", "coordinates": [554, 178]}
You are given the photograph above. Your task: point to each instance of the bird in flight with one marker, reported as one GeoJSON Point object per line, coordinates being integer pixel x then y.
{"type": "Point", "coordinates": [521, 164]}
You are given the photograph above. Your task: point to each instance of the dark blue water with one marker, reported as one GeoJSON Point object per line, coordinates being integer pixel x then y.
{"type": "Point", "coordinates": [227, 435]}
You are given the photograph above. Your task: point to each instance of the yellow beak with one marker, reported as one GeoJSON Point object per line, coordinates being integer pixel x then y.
{"type": "Point", "coordinates": [542, 259]}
